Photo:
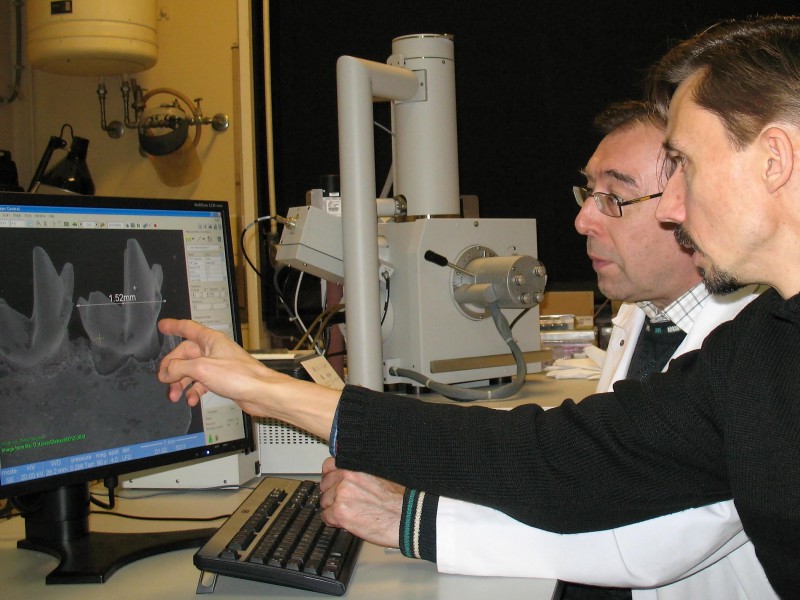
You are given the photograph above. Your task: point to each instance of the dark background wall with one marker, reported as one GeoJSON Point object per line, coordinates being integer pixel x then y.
{"type": "Point", "coordinates": [529, 78]}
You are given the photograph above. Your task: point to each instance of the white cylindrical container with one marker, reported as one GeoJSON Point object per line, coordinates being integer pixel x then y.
{"type": "Point", "coordinates": [425, 142]}
{"type": "Point", "coordinates": [92, 37]}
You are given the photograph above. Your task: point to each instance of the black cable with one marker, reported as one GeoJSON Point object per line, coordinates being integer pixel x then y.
{"type": "Point", "coordinates": [244, 252]}
{"type": "Point", "coordinates": [280, 292]}
{"type": "Point", "coordinates": [281, 298]}
{"type": "Point", "coordinates": [142, 518]}
{"type": "Point", "coordinates": [171, 493]}
{"type": "Point", "coordinates": [155, 493]}
{"type": "Point", "coordinates": [110, 484]}
{"type": "Point", "coordinates": [387, 279]}
{"type": "Point", "coordinates": [327, 338]}
{"type": "Point", "coordinates": [244, 231]}
{"type": "Point", "coordinates": [518, 317]}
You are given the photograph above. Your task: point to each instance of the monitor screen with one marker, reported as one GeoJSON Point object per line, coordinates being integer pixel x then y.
{"type": "Point", "coordinates": [83, 283]}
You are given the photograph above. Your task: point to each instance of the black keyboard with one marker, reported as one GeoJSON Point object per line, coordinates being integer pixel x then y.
{"type": "Point", "coordinates": [277, 536]}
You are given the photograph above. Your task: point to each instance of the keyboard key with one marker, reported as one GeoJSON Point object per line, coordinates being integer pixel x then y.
{"type": "Point", "coordinates": [229, 554]}
{"type": "Point", "coordinates": [242, 540]}
{"type": "Point", "coordinates": [336, 556]}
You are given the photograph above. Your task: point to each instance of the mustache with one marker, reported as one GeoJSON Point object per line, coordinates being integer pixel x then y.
{"type": "Point", "coordinates": [684, 239]}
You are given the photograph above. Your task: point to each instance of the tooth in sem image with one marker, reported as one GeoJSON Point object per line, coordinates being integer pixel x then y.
{"type": "Point", "coordinates": [26, 342]}
{"type": "Point", "coordinates": [123, 324]}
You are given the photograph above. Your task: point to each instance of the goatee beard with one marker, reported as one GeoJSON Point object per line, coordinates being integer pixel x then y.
{"type": "Point", "coordinates": [717, 281]}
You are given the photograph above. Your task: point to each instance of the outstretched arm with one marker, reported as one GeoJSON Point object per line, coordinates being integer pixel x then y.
{"type": "Point", "coordinates": [207, 360]}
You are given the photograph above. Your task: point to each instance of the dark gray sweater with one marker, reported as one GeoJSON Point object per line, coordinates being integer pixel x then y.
{"type": "Point", "coordinates": [722, 422]}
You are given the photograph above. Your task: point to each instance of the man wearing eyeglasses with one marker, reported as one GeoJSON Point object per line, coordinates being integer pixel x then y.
{"type": "Point", "coordinates": [667, 311]}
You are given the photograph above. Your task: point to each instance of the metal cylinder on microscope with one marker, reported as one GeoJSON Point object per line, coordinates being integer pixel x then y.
{"type": "Point", "coordinates": [425, 142]}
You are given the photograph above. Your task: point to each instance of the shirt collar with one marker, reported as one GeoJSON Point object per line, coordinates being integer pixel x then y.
{"type": "Point", "coordinates": [682, 312]}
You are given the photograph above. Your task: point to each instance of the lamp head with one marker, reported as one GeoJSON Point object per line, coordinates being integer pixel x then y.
{"type": "Point", "coordinates": [71, 174]}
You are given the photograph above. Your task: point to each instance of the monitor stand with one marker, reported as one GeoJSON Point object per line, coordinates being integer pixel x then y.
{"type": "Point", "coordinates": [57, 523]}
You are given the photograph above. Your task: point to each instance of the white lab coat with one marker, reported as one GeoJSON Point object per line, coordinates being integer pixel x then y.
{"type": "Point", "coordinates": [700, 553]}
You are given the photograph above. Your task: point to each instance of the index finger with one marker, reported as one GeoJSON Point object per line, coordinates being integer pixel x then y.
{"type": "Point", "coordinates": [184, 328]}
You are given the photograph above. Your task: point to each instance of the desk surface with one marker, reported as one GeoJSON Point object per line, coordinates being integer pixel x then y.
{"type": "Point", "coordinates": [548, 392]}
{"type": "Point", "coordinates": [538, 389]}
{"type": "Point", "coordinates": [379, 573]}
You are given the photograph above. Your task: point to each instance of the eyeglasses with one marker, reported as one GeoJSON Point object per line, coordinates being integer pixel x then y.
{"type": "Point", "coordinates": [608, 204]}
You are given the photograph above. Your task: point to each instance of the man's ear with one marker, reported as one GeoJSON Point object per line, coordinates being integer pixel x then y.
{"type": "Point", "coordinates": [779, 159]}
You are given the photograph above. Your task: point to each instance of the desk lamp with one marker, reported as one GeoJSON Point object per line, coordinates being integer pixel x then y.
{"type": "Point", "coordinates": [70, 174]}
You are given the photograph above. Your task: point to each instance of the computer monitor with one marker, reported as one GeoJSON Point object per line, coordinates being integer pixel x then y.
{"type": "Point", "coordinates": [83, 282]}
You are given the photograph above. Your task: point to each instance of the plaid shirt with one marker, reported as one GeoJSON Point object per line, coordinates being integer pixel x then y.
{"type": "Point", "coordinates": [682, 312]}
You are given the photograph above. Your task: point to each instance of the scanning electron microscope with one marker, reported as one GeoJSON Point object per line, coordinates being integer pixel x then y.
{"type": "Point", "coordinates": [428, 294]}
